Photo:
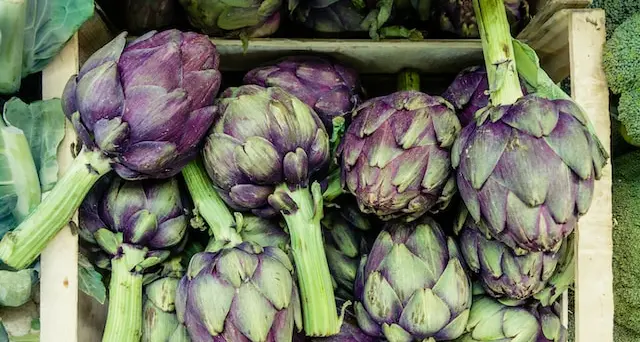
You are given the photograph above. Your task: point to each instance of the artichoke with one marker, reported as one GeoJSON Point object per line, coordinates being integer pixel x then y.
{"type": "Point", "coordinates": [263, 232]}
{"type": "Point", "coordinates": [527, 167]}
{"type": "Point", "coordinates": [146, 15]}
{"type": "Point", "coordinates": [457, 17]}
{"type": "Point", "coordinates": [503, 271]}
{"type": "Point", "coordinates": [491, 321]}
{"type": "Point", "coordinates": [159, 320]}
{"type": "Point", "coordinates": [241, 293]}
{"type": "Point", "coordinates": [331, 89]}
{"type": "Point", "coordinates": [469, 92]}
{"type": "Point", "coordinates": [412, 286]}
{"type": "Point", "coordinates": [254, 18]}
{"type": "Point", "coordinates": [138, 224]}
{"type": "Point", "coordinates": [262, 154]}
{"type": "Point", "coordinates": [329, 16]}
{"type": "Point", "coordinates": [395, 155]}
{"type": "Point", "coordinates": [141, 108]}
{"type": "Point", "coordinates": [345, 241]}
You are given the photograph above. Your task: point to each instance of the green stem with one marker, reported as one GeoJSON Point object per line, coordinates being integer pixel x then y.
{"type": "Point", "coordinates": [315, 282]}
{"type": "Point", "coordinates": [124, 318]}
{"type": "Point", "coordinates": [409, 80]}
{"type": "Point", "coordinates": [498, 52]}
{"type": "Point", "coordinates": [334, 186]}
{"type": "Point", "coordinates": [13, 15]}
{"type": "Point", "coordinates": [209, 204]}
{"type": "Point", "coordinates": [21, 247]}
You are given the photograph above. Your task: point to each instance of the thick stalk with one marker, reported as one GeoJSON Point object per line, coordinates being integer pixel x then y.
{"type": "Point", "coordinates": [209, 204]}
{"type": "Point", "coordinates": [409, 80]}
{"type": "Point", "coordinates": [497, 47]}
{"type": "Point", "coordinates": [21, 247]}
{"type": "Point", "coordinates": [13, 15]}
{"type": "Point", "coordinates": [334, 186]}
{"type": "Point", "coordinates": [124, 318]}
{"type": "Point", "coordinates": [316, 287]}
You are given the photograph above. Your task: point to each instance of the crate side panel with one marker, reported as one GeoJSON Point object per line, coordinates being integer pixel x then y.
{"type": "Point", "coordinates": [594, 275]}
{"type": "Point", "coordinates": [59, 260]}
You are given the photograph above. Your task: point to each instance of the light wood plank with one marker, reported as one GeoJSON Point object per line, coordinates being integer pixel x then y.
{"type": "Point", "coordinates": [59, 261]}
{"type": "Point", "coordinates": [594, 275]}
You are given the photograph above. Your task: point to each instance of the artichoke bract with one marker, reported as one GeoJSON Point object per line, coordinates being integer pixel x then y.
{"type": "Point", "coordinates": [457, 17]}
{"type": "Point", "coordinates": [159, 320]}
{"type": "Point", "coordinates": [262, 155]}
{"type": "Point", "coordinates": [395, 155]}
{"type": "Point", "coordinates": [345, 242]}
{"type": "Point", "coordinates": [329, 16]}
{"type": "Point", "coordinates": [491, 321]}
{"type": "Point", "coordinates": [328, 87]}
{"type": "Point", "coordinates": [244, 293]}
{"type": "Point", "coordinates": [469, 92]}
{"type": "Point", "coordinates": [527, 166]}
{"type": "Point", "coordinates": [141, 108]}
{"type": "Point", "coordinates": [138, 225]}
{"type": "Point", "coordinates": [503, 272]}
{"type": "Point", "coordinates": [412, 286]}
{"type": "Point", "coordinates": [251, 19]}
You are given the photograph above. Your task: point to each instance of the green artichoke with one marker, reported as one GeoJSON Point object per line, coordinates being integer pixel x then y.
{"type": "Point", "coordinates": [262, 155]}
{"type": "Point", "coordinates": [412, 286]}
{"type": "Point", "coordinates": [159, 321]}
{"type": "Point", "coordinates": [245, 18]}
{"type": "Point", "coordinates": [492, 321]}
{"type": "Point", "coordinates": [242, 293]}
{"type": "Point", "coordinates": [263, 232]}
{"type": "Point", "coordinates": [138, 225]}
{"type": "Point", "coordinates": [395, 155]}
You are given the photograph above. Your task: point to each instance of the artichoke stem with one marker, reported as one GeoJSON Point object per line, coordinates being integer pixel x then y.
{"type": "Point", "coordinates": [21, 247]}
{"type": "Point", "coordinates": [124, 318]}
{"type": "Point", "coordinates": [334, 186]}
{"type": "Point", "coordinates": [497, 46]}
{"type": "Point", "coordinates": [316, 287]}
{"type": "Point", "coordinates": [409, 80]}
{"type": "Point", "coordinates": [209, 204]}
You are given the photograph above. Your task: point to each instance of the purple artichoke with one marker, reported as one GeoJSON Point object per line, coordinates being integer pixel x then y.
{"type": "Point", "coordinates": [242, 294]}
{"type": "Point", "coordinates": [329, 16]}
{"type": "Point", "coordinates": [138, 224]}
{"type": "Point", "coordinates": [528, 170]}
{"type": "Point", "coordinates": [146, 104]}
{"type": "Point", "coordinates": [259, 18]}
{"type": "Point", "coordinates": [141, 109]}
{"type": "Point", "coordinates": [330, 88]}
{"type": "Point", "coordinates": [469, 92]}
{"type": "Point", "coordinates": [458, 18]}
{"type": "Point", "coordinates": [262, 155]}
{"type": "Point", "coordinates": [412, 286]}
{"type": "Point", "coordinates": [504, 272]}
{"type": "Point", "coordinates": [395, 155]}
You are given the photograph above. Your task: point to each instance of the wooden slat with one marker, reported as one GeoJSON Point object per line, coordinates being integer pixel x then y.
{"type": "Point", "coordinates": [594, 275]}
{"type": "Point", "coordinates": [59, 261]}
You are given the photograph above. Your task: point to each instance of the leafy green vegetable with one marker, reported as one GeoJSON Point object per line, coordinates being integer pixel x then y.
{"type": "Point", "coordinates": [43, 125]}
{"type": "Point", "coordinates": [3, 333]}
{"type": "Point", "coordinates": [50, 24]}
{"type": "Point", "coordinates": [90, 280]}
{"type": "Point", "coordinates": [15, 287]}
{"type": "Point", "coordinates": [12, 21]}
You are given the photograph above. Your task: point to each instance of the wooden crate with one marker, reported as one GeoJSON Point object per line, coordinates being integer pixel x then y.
{"type": "Point", "coordinates": [568, 40]}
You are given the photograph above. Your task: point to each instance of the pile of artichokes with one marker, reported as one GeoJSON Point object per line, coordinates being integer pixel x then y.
{"type": "Point", "coordinates": [453, 217]}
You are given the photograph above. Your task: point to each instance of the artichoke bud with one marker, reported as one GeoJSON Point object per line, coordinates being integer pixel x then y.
{"type": "Point", "coordinates": [268, 7]}
{"type": "Point", "coordinates": [110, 134]}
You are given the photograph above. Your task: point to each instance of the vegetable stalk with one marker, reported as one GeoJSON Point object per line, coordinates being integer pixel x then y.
{"type": "Point", "coordinates": [409, 80]}
{"type": "Point", "coordinates": [124, 322]}
{"type": "Point", "coordinates": [21, 247]}
{"type": "Point", "coordinates": [209, 204]}
{"type": "Point", "coordinates": [13, 15]}
{"type": "Point", "coordinates": [303, 218]}
{"type": "Point", "coordinates": [498, 51]}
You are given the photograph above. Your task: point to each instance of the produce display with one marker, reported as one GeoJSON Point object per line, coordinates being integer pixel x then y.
{"type": "Point", "coordinates": [328, 214]}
